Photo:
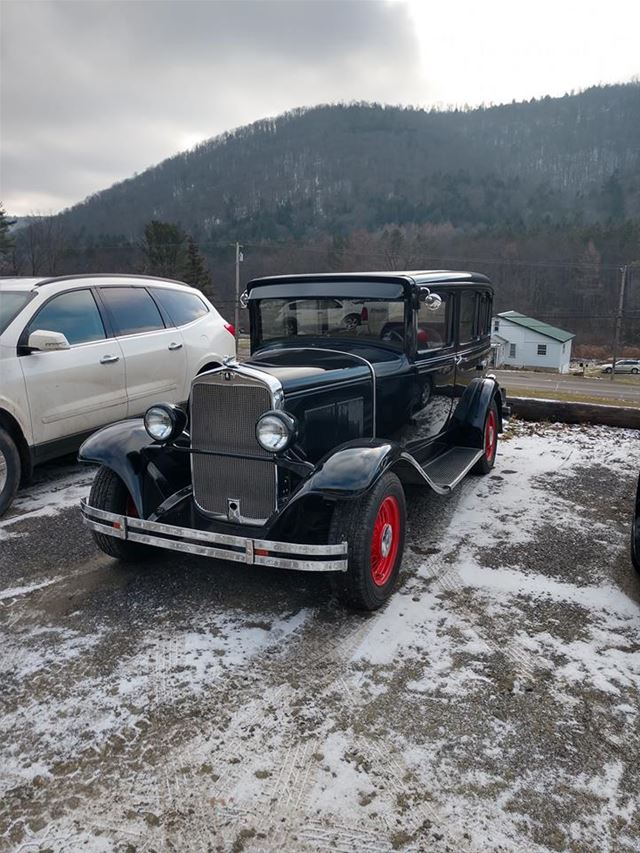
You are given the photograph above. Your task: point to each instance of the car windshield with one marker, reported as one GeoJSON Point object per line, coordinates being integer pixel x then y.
{"type": "Point", "coordinates": [11, 302]}
{"type": "Point", "coordinates": [355, 319]}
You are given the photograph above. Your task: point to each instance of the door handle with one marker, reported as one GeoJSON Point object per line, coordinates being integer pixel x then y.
{"type": "Point", "coordinates": [173, 345]}
{"type": "Point", "coordinates": [109, 359]}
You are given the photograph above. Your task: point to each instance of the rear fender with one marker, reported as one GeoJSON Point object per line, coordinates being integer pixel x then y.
{"type": "Point", "coordinates": [471, 412]}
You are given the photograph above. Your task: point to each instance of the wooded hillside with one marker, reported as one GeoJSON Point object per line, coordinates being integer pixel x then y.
{"type": "Point", "coordinates": [543, 196]}
{"type": "Point", "coordinates": [332, 169]}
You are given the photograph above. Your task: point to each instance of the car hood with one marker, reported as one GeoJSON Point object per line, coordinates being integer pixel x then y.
{"type": "Point", "coordinates": [299, 369]}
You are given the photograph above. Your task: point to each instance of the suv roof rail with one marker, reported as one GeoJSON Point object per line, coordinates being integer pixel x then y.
{"type": "Point", "coordinates": [55, 279]}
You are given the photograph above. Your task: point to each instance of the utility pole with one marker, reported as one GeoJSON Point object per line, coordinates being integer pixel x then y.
{"type": "Point", "coordinates": [237, 314]}
{"type": "Point", "coordinates": [619, 315]}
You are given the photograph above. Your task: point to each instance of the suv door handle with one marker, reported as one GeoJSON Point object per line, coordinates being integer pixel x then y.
{"type": "Point", "coordinates": [173, 345]}
{"type": "Point", "coordinates": [109, 359]}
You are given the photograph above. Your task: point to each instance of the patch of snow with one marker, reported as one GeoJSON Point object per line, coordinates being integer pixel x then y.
{"type": "Point", "coordinates": [37, 501]}
{"type": "Point", "coordinates": [17, 591]}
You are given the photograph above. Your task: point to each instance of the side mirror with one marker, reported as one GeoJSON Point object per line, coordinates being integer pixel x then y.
{"type": "Point", "coordinates": [433, 302]}
{"type": "Point", "coordinates": [45, 341]}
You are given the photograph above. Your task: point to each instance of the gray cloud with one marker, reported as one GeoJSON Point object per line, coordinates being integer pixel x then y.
{"type": "Point", "coordinates": [94, 91]}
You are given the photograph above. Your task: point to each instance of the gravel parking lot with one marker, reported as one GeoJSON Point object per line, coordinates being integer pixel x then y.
{"type": "Point", "coordinates": [493, 704]}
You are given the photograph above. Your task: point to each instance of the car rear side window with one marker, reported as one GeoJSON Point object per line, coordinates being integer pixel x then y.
{"type": "Point", "coordinates": [75, 314]}
{"type": "Point", "coordinates": [182, 307]}
{"type": "Point", "coordinates": [467, 324]}
{"type": "Point", "coordinates": [132, 310]}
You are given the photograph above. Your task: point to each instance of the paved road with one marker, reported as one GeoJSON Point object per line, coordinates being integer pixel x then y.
{"type": "Point", "coordinates": [551, 384]}
{"type": "Point", "coordinates": [187, 705]}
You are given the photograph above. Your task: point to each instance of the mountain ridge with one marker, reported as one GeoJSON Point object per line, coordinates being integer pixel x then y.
{"type": "Point", "coordinates": [334, 168]}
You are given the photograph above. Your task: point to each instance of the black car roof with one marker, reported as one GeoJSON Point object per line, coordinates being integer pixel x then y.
{"type": "Point", "coordinates": [407, 278]}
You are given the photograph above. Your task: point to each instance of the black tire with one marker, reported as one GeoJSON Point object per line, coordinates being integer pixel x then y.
{"type": "Point", "coordinates": [607, 370]}
{"type": "Point", "coordinates": [10, 470]}
{"type": "Point", "coordinates": [108, 492]}
{"type": "Point", "coordinates": [354, 522]}
{"type": "Point", "coordinates": [352, 321]}
{"type": "Point", "coordinates": [634, 370]}
{"type": "Point", "coordinates": [488, 459]}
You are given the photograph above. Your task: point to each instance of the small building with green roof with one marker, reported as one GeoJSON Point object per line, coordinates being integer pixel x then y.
{"type": "Point", "coordinates": [521, 341]}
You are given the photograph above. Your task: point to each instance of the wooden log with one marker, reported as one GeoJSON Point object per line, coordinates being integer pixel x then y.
{"type": "Point", "coordinates": [531, 409]}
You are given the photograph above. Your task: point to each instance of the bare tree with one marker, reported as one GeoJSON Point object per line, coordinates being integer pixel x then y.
{"type": "Point", "coordinates": [42, 245]}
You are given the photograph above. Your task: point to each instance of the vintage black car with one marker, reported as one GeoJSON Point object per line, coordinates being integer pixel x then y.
{"type": "Point", "coordinates": [635, 532]}
{"type": "Point", "coordinates": [298, 457]}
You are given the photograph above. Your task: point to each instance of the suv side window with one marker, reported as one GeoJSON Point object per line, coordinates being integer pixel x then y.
{"type": "Point", "coordinates": [132, 310]}
{"type": "Point", "coordinates": [467, 321]}
{"type": "Point", "coordinates": [181, 307]}
{"type": "Point", "coordinates": [434, 327]}
{"type": "Point", "coordinates": [74, 314]}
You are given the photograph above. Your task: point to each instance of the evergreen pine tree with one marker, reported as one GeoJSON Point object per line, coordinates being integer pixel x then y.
{"type": "Point", "coordinates": [164, 250]}
{"type": "Point", "coordinates": [195, 270]}
{"type": "Point", "coordinates": [7, 243]}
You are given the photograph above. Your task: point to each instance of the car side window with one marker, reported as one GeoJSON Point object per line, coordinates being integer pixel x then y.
{"type": "Point", "coordinates": [74, 314]}
{"type": "Point", "coordinates": [467, 315]}
{"type": "Point", "coordinates": [132, 310]}
{"type": "Point", "coordinates": [485, 309]}
{"type": "Point", "coordinates": [434, 327]}
{"type": "Point", "coordinates": [181, 307]}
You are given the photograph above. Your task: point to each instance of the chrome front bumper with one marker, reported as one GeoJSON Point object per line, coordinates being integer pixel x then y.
{"type": "Point", "coordinates": [220, 546]}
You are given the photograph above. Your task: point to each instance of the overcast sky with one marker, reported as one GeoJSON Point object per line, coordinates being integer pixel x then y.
{"type": "Point", "coordinates": [94, 91]}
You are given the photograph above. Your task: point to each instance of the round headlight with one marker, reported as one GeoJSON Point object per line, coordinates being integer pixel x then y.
{"type": "Point", "coordinates": [164, 422]}
{"type": "Point", "coordinates": [275, 431]}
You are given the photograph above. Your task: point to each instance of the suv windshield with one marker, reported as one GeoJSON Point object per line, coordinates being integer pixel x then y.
{"type": "Point", "coordinates": [11, 302]}
{"type": "Point", "coordinates": [355, 319]}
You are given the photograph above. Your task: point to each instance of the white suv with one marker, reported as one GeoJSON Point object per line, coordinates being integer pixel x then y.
{"type": "Point", "coordinates": [79, 352]}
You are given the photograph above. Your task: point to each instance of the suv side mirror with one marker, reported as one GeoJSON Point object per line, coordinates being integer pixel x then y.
{"type": "Point", "coordinates": [45, 341]}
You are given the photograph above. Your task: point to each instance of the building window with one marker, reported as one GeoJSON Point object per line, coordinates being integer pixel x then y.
{"type": "Point", "coordinates": [496, 325]}
{"type": "Point", "coordinates": [542, 349]}
{"type": "Point", "coordinates": [512, 350]}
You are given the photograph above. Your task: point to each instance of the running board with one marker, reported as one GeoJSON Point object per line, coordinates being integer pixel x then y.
{"type": "Point", "coordinates": [445, 472]}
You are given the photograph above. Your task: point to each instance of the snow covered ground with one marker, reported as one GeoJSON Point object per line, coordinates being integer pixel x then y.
{"type": "Point", "coordinates": [493, 704]}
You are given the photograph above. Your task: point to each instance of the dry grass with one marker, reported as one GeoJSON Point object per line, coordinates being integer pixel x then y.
{"type": "Point", "coordinates": [575, 397]}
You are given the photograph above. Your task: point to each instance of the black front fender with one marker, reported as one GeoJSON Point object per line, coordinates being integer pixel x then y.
{"type": "Point", "coordinates": [355, 467]}
{"type": "Point", "coordinates": [121, 447]}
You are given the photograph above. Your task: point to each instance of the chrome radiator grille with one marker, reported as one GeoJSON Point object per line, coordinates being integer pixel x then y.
{"type": "Point", "coordinates": [224, 412]}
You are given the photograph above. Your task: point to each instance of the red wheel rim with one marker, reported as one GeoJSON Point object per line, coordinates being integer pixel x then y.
{"type": "Point", "coordinates": [385, 541]}
{"type": "Point", "coordinates": [490, 436]}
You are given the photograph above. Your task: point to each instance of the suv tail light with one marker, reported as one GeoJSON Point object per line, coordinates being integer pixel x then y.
{"type": "Point", "coordinates": [230, 328]}
{"type": "Point", "coordinates": [364, 315]}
